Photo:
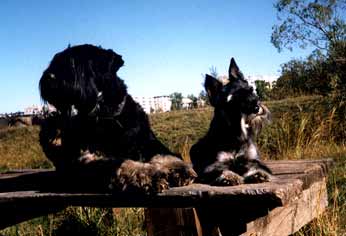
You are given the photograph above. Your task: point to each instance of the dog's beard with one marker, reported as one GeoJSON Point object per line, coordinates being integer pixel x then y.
{"type": "Point", "coordinates": [244, 125]}
{"type": "Point", "coordinates": [257, 121]}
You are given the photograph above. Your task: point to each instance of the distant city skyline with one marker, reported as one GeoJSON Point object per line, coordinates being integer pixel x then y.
{"type": "Point", "coordinates": [167, 46]}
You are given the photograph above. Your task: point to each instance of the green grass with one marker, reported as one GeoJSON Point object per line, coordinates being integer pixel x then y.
{"type": "Point", "coordinates": [302, 128]}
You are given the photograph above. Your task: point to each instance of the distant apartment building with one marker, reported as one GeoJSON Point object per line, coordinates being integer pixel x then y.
{"type": "Point", "coordinates": [38, 109]}
{"type": "Point", "coordinates": [155, 104]}
{"type": "Point", "coordinates": [33, 110]}
{"type": "Point", "coordinates": [267, 78]}
{"type": "Point", "coordinates": [186, 103]}
{"type": "Point", "coordinates": [201, 103]}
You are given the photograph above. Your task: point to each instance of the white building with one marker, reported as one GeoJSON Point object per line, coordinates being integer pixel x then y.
{"type": "Point", "coordinates": [267, 78]}
{"type": "Point", "coordinates": [201, 103]}
{"type": "Point", "coordinates": [155, 104]}
{"type": "Point", "coordinates": [186, 103]}
{"type": "Point", "coordinates": [33, 110]}
{"type": "Point", "coordinates": [38, 109]}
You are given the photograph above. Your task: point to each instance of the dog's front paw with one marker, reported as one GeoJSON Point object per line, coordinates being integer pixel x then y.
{"type": "Point", "coordinates": [228, 178]}
{"type": "Point", "coordinates": [134, 176]}
{"type": "Point", "coordinates": [180, 173]}
{"type": "Point", "coordinates": [257, 176]}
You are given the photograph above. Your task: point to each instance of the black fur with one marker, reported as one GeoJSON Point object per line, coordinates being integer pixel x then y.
{"type": "Point", "coordinates": [227, 154]}
{"type": "Point", "coordinates": [97, 121]}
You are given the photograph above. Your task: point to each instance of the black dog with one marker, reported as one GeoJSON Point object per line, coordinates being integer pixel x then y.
{"type": "Point", "coordinates": [227, 155]}
{"type": "Point", "coordinates": [99, 128]}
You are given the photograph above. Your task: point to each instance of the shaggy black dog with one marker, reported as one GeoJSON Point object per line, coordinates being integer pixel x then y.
{"type": "Point", "coordinates": [227, 155]}
{"type": "Point", "coordinates": [99, 128]}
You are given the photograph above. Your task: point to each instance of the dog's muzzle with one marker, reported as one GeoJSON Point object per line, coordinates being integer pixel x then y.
{"type": "Point", "coordinates": [252, 108]}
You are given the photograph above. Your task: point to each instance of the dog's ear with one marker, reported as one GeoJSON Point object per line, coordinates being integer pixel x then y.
{"type": "Point", "coordinates": [213, 87]}
{"type": "Point", "coordinates": [233, 72]}
{"type": "Point", "coordinates": [115, 62]}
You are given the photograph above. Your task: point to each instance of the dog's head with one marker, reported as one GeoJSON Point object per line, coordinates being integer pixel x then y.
{"type": "Point", "coordinates": [78, 75]}
{"type": "Point", "coordinates": [232, 95]}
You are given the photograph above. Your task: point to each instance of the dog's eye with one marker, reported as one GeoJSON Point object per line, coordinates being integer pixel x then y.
{"type": "Point", "coordinates": [229, 97]}
{"type": "Point", "coordinates": [51, 75]}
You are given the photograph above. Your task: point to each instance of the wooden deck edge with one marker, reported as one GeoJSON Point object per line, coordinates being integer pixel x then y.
{"type": "Point", "coordinates": [277, 193]}
{"type": "Point", "coordinates": [289, 219]}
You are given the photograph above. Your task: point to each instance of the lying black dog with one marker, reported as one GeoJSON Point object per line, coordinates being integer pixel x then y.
{"type": "Point", "coordinates": [227, 154]}
{"type": "Point", "coordinates": [99, 127]}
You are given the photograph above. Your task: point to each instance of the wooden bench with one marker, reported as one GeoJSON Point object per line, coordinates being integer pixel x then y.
{"type": "Point", "coordinates": [296, 196]}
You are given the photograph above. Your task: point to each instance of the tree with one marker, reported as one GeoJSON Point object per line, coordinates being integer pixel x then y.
{"type": "Point", "coordinates": [337, 68]}
{"type": "Point", "coordinates": [193, 99]}
{"type": "Point", "coordinates": [213, 72]}
{"type": "Point", "coordinates": [303, 77]}
{"type": "Point", "coordinates": [204, 97]}
{"type": "Point", "coordinates": [262, 89]}
{"type": "Point", "coordinates": [319, 23]}
{"type": "Point", "coordinates": [176, 99]}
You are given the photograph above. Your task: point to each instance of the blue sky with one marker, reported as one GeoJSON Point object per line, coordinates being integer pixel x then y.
{"type": "Point", "coordinates": [166, 45]}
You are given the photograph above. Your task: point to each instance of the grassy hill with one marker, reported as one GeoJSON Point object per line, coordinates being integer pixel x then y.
{"type": "Point", "coordinates": [302, 128]}
{"type": "Point", "coordinates": [20, 149]}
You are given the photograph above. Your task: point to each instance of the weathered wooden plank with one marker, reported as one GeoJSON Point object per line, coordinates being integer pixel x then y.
{"type": "Point", "coordinates": [292, 167]}
{"type": "Point", "coordinates": [46, 186]}
{"type": "Point", "coordinates": [235, 220]}
{"type": "Point", "coordinates": [180, 222]}
{"type": "Point", "coordinates": [26, 204]}
{"type": "Point", "coordinates": [289, 219]}
{"type": "Point", "coordinates": [42, 191]}
{"type": "Point", "coordinates": [50, 180]}
{"type": "Point", "coordinates": [273, 194]}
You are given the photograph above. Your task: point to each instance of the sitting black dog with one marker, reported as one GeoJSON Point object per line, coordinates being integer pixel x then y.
{"type": "Point", "coordinates": [227, 154]}
{"type": "Point", "coordinates": [98, 127]}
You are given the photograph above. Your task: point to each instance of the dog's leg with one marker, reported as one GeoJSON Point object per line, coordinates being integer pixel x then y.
{"type": "Point", "coordinates": [180, 173]}
{"type": "Point", "coordinates": [228, 178]}
{"type": "Point", "coordinates": [222, 177]}
{"type": "Point", "coordinates": [162, 172]}
{"type": "Point", "coordinates": [220, 174]}
{"type": "Point", "coordinates": [135, 176]}
{"type": "Point", "coordinates": [257, 172]}
{"type": "Point", "coordinates": [257, 176]}
{"type": "Point", "coordinates": [51, 140]}
{"type": "Point", "coordinates": [250, 167]}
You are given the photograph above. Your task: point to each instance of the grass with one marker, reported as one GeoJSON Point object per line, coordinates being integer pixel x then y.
{"type": "Point", "coordinates": [20, 149]}
{"type": "Point", "coordinates": [302, 128]}
{"type": "Point", "coordinates": [84, 221]}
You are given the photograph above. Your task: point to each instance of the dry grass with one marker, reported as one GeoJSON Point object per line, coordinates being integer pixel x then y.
{"type": "Point", "coordinates": [84, 221]}
{"type": "Point", "coordinates": [179, 129]}
{"type": "Point", "coordinates": [20, 149]}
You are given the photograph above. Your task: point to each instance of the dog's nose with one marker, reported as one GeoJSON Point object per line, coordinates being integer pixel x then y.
{"type": "Point", "coordinates": [256, 109]}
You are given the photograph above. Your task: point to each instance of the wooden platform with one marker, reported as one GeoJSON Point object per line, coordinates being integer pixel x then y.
{"type": "Point", "coordinates": [296, 196]}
